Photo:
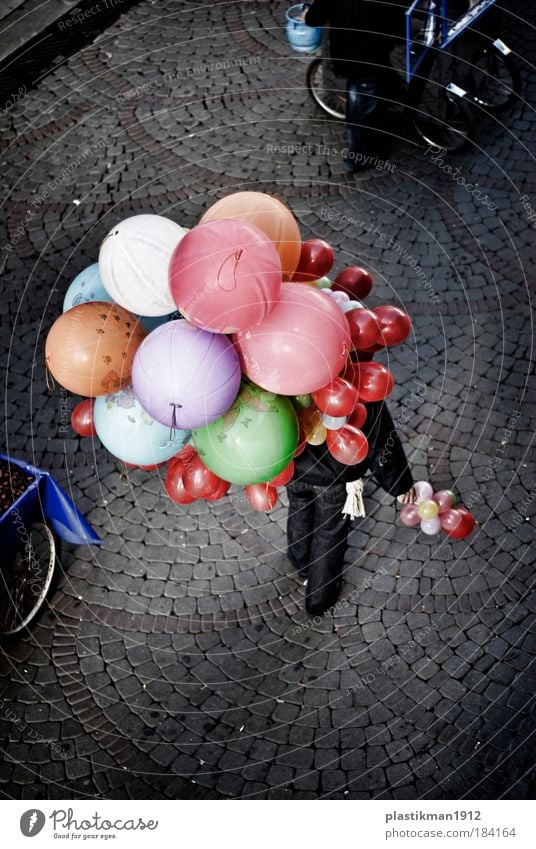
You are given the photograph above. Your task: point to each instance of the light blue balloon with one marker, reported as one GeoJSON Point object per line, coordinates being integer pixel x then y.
{"type": "Point", "coordinates": [129, 433]}
{"type": "Point", "coordinates": [86, 286]}
{"type": "Point", "coordinates": [150, 322]}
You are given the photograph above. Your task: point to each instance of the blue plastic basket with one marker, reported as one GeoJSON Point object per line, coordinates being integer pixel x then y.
{"type": "Point", "coordinates": [302, 39]}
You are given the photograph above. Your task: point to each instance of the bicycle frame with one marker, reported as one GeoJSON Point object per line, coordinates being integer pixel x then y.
{"type": "Point", "coordinates": [439, 31]}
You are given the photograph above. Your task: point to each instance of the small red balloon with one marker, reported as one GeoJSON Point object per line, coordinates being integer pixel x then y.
{"type": "Point", "coordinates": [218, 491]}
{"type": "Point", "coordinates": [261, 496]}
{"type": "Point", "coordinates": [362, 356]}
{"type": "Point", "coordinates": [302, 442]}
{"type": "Point", "coordinates": [364, 328]}
{"type": "Point", "coordinates": [359, 415]}
{"type": "Point", "coordinates": [373, 381]}
{"type": "Point", "coordinates": [186, 453]}
{"type": "Point", "coordinates": [82, 418]}
{"type": "Point", "coordinates": [316, 259]}
{"type": "Point", "coordinates": [337, 398]}
{"type": "Point", "coordinates": [175, 485]}
{"type": "Point", "coordinates": [153, 466]}
{"type": "Point", "coordinates": [457, 523]}
{"type": "Point", "coordinates": [349, 445]}
{"type": "Point", "coordinates": [198, 480]}
{"type": "Point", "coordinates": [285, 476]}
{"type": "Point", "coordinates": [395, 325]}
{"type": "Point", "coordinates": [355, 281]}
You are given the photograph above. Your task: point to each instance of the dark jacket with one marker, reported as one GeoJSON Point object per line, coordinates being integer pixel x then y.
{"type": "Point", "coordinates": [362, 32]}
{"type": "Point", "coordinates": [386, 459]}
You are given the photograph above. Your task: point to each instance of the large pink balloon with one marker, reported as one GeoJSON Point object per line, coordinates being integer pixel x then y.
{"type": "Point", "coordinates": [300, 346]}
{"type": "Point", "coordinates": [225, 275]}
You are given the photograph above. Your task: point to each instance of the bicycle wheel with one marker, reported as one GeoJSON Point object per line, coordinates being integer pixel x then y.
{"type": "Point", "coordinates": [493, 81]}
{"type": "Point", "coordinates": [443, 119]}
{"type": "Point", "coordinates": [26, 581]}
{"type": "Point", "coordinates": [324, 91]}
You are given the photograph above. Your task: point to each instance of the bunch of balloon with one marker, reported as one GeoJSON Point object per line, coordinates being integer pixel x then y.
{"type": "Point", "coordinates": [434, 512]}
{"type": "Point", "coordinates": [230, 335]}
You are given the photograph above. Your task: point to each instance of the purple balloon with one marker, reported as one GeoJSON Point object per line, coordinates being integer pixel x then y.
{"type": "Point", "coordinates": [185, 377]}
{"type": "Point", "coordinates": [423, 490]}
{"type": "Point", "coordinates": [431, 526]}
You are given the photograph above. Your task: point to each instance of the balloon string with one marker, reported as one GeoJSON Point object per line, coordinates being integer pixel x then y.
{"type": "Point", "coordinates": [49, 378]}
{"type": "Point", "coordinates": [224, 284]}
{"type": "Point", "coordinates": [173, 419]}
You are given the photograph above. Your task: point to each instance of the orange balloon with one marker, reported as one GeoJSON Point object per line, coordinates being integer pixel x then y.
{"type": "Point", "coordinates": [268, 214]}
{"type": "Point", "coordinates": [310, 419]}
{"type": "Point", "coordinates": [90, 348]}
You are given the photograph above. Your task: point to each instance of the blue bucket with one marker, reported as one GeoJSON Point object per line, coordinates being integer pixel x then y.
{"type": "Point", "coordinates": [302, 39]}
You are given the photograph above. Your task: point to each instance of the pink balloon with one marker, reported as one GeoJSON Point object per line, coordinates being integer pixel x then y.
{"type": "Point", "coordinates": [423, 490]}
{"type": "Point", "coordinates": [300, 346]}
{"type": "Point", "coordinates": [431, 526]}
{"type": "Point", "coordinates": [445, 500]}
{"type": "Point", "coordinates": [225, 275]}
{"type": "Point", "coordinates": [409, 516]}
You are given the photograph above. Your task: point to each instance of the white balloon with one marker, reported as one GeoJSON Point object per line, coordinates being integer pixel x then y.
{"type": "Point", "coordinates": [333, 422]}
{"type": "Point", "coordinates": [133, 263]}
{"type": "Point", "coordinates": [352, 305]}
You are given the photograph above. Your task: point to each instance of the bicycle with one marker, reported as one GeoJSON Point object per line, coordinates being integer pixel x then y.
{"type": "Point", "coordinates": [35, 515]}
{"type": "Point", "coordinates": [437, 94]}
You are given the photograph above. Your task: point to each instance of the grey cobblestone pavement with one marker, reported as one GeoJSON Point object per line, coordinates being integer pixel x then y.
{"type": "Point", "coordinates": [177, 662]}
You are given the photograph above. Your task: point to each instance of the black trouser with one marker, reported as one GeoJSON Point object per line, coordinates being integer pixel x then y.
{"type": "Point", "coordinates": [317, 536]}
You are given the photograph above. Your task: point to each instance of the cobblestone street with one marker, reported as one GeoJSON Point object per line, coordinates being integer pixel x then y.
{"type": "Point", "coordinates": [177, 660]}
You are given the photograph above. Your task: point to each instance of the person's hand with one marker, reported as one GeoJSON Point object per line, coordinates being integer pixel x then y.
{"type": "Point", "coordinates": [407, 497]}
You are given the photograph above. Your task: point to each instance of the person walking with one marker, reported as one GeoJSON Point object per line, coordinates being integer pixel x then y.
{"type": "Point", "coordinates": [362, 34]}
{"type": "Point", "coordinates": [324, 493]}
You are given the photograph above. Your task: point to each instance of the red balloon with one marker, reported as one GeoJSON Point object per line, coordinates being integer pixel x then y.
{"type": "Point", "coordinates": [82, 418]}
{"type": "Point", "coordinates": [285, 476]}
{"type": "Point", "coordinates": [395, 324]}
{"type": "Point", "coordinates": [219, 490]}
{"type": "Point", "coordinates": [355, 281]}
{"type": "Point", "coordinates": [359, 416]}
{"type": "Point", "coordinates": [316, 259]}
{"type": "Point", "coordinates": [373, 381]}
{"type": "Point", "coordinates": [364, 328]}
{"type": "Point", "coordinates": [153, 466]}
{"type": "Point", "coordinates": [186, 453]}
{"type": "Point", "coordinates": [302, 441]}
{"type": "Point", "coordinates": [362, 356]}
{"type": "Point", "coordinates": [457, 523]}
{"type": "Point", "coordinates": [261, 496]}
{"type": "Point", "coordinates": [349, 445]}
{"type": "Point", "coordinates": [337, 398]}
{"type": "Point", "coordinates": [198, 480]}
{"type": "Point", "coordinates": [444, 499]}
{"type": "Point", "coordinates": [175, 485]}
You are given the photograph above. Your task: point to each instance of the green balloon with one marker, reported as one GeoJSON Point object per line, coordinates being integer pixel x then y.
{"type": "Point", "coordinates": [323, 283]}
{"type": "Point", "coordinates": [254, 440]}
{"type": "Point", "coordinates": [301, 402]}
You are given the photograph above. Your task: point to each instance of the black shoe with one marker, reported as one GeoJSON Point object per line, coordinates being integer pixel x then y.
{"type": "Point", "coordinates": [323, 590]}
